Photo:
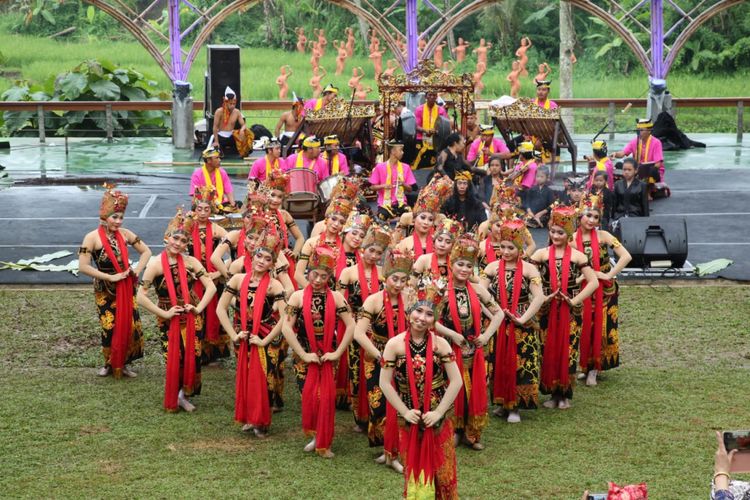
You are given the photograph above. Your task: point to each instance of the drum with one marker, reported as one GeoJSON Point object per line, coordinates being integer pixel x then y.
{"type": "Point", "coordinates": [325, 188]}
{"type": "Point", "coordinates": [302, 199]}
{"type": "Point", "coordinates": [442, 131]}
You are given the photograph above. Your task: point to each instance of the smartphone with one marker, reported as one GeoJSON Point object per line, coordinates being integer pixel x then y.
{"type": "Point", "coordinates": [740, 441]}
{"type": "Point", "coordinates": [597, 496]}
{"type": "Point", "coordinates": [737, 440]}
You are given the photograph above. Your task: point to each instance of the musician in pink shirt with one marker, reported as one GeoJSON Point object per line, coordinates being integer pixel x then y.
{"type": "Point", "coordinates": [308, 158]}
{"type": "Point", "coordinates": [542, 95]}
{"type": "Point", "coordinates": [392, 180]}
{"type": "Point", "coordinates": [601, 163]}
{"type": "Point", "coordinates": [524, 173]}
{"type": "Point", "coordinates": [645, 148]}
{"type": "Point", "coordinates": [329, 94]}
{"type": "Point", "coordinates": [211, 174]}
{"type": "Point", "coordinates": [334, 159]}
{"type": "Point", "coordinates": [485, 146]}
{"type": "Point", "coordinates": [269, 162]}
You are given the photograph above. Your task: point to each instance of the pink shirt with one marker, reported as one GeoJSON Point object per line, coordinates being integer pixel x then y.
{"type": "Point", "coordinates": [552, 104]}
{"type": "Point", "coordinates": [318, 165]}
{"type": "Point", "coordinates": [197, 180]}
{"type": "Point", "coordinates": [343, 164]}
{"type": "Point", "coordinates": [530, 176]}
{"type": "Point", "coordinates": [476, 148]}
{"type": "Point", "coordinates": [258, 170]}
{"type": "Point", "coordinates": [607, 166]}
{"type": "Point", "coordinates": [418, 116]}
{"type": "Point", "coordinates": [653, 154]}
{"type": "Point", "coordinates": [379, 175]}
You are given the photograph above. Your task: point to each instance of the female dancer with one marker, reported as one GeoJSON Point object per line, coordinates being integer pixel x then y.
{"type": "Point", "coordinates": [560, 318]}
{"type": "Point", "coordinates": [600, 338]}
{"type": "Point", "coordinates": [514, 356]}
{"type": "Point", "coordinates": [259, 299]}
{"type": "Point", "coordinates": [383, 316]}
{"type": "Point", "coordinates": [461, 323]}
{"type": "Point", "coordinates": [173, 275]}
{"type": "Point", "coordinates": [357, 283]}
{"type": "Point", "coordinates": [122, 338]}
{"type": "Point", "coordinates": [317, 351]}
{"type": "Point", "coordinates": [431, 266]}
{"type": "Point", "coordinates": [419, 362]}
{"type": "Point", "coordinates": [278, 185]}
{"type": "Point", "coordinates": [489, 248]}
{"type": "Point", "coordinates": [206, 236]}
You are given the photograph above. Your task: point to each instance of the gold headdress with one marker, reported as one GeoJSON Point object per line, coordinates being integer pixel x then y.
{"type": "Point", "coordinates": [257, 199]}
{"type": "Point", "coordinates": [342, 206]}
{"type": "Point", "coordinates": [112, 202]}
{"type": "Point", "coordinates": [463, 175]}
{"type": "Point", "coordinates": [206, 194]}
{"type": "Point", "coordinates": [278, 180]}
{"type": "Point", "coordinates": [504, 211]}
{"type": "Point", "coordinates": [323, 258]}
{"type": "Point", "coordinates": [270, 241]}
{"type": "Point", "coordinates": [466, 247]}
{"type": "Point", "coordinates": [513, 230]}
{"type": "Point", "coordinates": [430, 294]}
{"type": "Point", "coordinates": [448, 226]}
{"type": "Point", "coordinates": [346, 188]}
{"type": "Point", "coordinates": [377, 235]}
{"type": "Point", "coordinates": [433, 195]}
{"type": "Point", "coordinates": [591, 201]}
{"type": "Point", "coordinates": [398, 261]}
{"type": "Point", "coordinates": [180, 223]}
{"type": "Point", "coordinates": [565, 217]}
{"type": "Point", "coordinates": [357, 220]}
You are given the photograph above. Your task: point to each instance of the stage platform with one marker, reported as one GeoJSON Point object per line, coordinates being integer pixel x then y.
{"type": "Point", "coordinates": [49, 198]}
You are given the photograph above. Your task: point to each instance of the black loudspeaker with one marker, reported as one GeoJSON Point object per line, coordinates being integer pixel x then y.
{"type": "Point", "coordinates": [654, 241]}
{"type": "Point", "coordinates": [222, 70]}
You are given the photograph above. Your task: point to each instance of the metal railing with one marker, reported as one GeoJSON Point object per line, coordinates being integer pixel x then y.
{"type": "Point", "coordinates": [42, 107]}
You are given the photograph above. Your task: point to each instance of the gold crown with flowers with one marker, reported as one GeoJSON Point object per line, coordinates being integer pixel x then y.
{"type": "Point", "coordinates": [112, 202]}
{"type": "Point", "coordinates": [346, 188]}
{"type": "Point", "coordinates": [343, 206]}
{"type": "Point", "coordinates": [505, 194]}
{"type": "Point", "coordinates": [180, 223]}
{"type": "Point", "coordinates": [565, 217]}
{"type": "Point", "coordinates": [208, 195]}
{"type": "Point", "coordinates": [433, 195]}
{"type": "Point", "coordinates": [398, 261]}
{"type": "Point", "coordinates": [466, 247]}
{"type": "Point", "coordinates": [378, 235]}
{"type": "Point", "coordinates": [278, 180]}
{"type": "Point", "coordinates": [513, 230]}
{"type": "Point", "coordinates": [431, 294]}
{"type": "Point", "coordinates": [449, 226]}
{"type": "Point", "coordinates": [323, 258]}
{"type": "Point", "coordinates": [357, 220]}
{"type": "Point", "coordinates": [269, 240]}
{"type": "Point", "coordinates": [504, 211]}
{"type": "Point", "coordinates": [257, 199]}
{"type": "Point", "coordinates": [591, 201]}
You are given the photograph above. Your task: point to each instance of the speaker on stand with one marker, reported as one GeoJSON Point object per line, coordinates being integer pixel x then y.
{"type": "Point", "coordinates": [655, 242]}
{"type": "Point", "coordinates": [222, 71]}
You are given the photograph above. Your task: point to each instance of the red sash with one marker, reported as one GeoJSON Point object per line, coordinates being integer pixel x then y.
{"type": "Point", "coordinates": [557, 345]}
{"type": "Point", "coordinates": [478, 397]}
{"type": "Point", "coordinates": [319, 393]}
{"type": "Point", "coordinates": [587, 337]}
{"type": "Point", "coordinates": [251, 398]}
{"type": "Point", "coordinates": [429, 247]}
{"type": "Point", "coordinates": [390, 436]}
{"type": "Point", "coordinates": [506, 357]}
{"type": "Point", "coordinates": [341, 263]}
{"type": "Point", "coordinates": [241, 243]}
{"type": "Point", "coordinates": [172, 385]}
{"type": "Point", "coordinates": [367, 289]}
{"type": "Point", "coordinates": [489, 251]}
{"type": "Point", "coordinates": [435, 267]}
{"type": "Point", "coordinates": [285, 238]}
{"type": "Point", "coordinates": [212, 320]}
{"type": "Point", "coordinates": [118, 349]}
{"type": "Point", "coordinates": [423, 452]}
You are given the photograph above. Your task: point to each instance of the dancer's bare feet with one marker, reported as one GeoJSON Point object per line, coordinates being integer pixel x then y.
{"type": "Point", "coordinates": [477, 446]}
{"type": "Point", "coordinates": [310, 446]}
{"type": "Point", "coordinates": [396, 465]}
{"type": "Point", "coordinates": [247, 427]}
{"type": "Point", "coordinates": [580, 375]}
{"type": "Point", "coordinates": [358, 429]}
{"type": "Point", "coordinates": [103, 371]}
{"type": "Point", "coordinates": [185, 404]}
{"type": "Point", "coordinates": [327, 454]}
{"type": "Point", "coordinates": [127, 372]}
{"type": "Point", "coordinates": [591, 379]}
{"type": "Point", "coordinates": [381, 459]}
{"type": "Point", "coordinates": [564, 404]}
{"type": "Point", "coordinates": [259, 433]}
{"type": "Point", "coordinates": [551, 403]}
{"type": "Point", "coordinates": [514, 417]}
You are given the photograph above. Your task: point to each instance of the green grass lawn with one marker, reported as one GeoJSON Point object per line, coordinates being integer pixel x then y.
{"type": "Point", "coordinates": [41, 58]}
{"type": "Point", "coordinates": [67, 433]}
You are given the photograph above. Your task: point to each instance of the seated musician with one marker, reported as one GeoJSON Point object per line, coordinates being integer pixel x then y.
{"type": "Point", "coordinates": [646, 149]}
{"type": "Point", "coordinates": [392, 180]}
{"type": "Point", "coordinates": [542, 95]}
{"type": "Point", "coordinates": [473, 129]}
{"type": "Point", "coordinates": [272, 160]}
{"type": "Point", "coordinates": [631, 195]}
{"type": "Point", "coordinates": [212, 175]}
{"type": "Point", "coordinates": [290, 120]}
{"type": "Point", "coordinates": [538, 200]}
{"type": "Point", "coordinates": [601, 163]}
{"type": "Point", "coordinates": [225, 132]}
{"type": "Point", "coordinates": [487, 146]}
{"type": "Point", "coordinates": [426, 117]}
{"type": "Point", "coordinates": [308, 158]}
{"type": "Point", "coordinates": [329, 94]}
{"type": "Point", "coordinates": [334, 159]}
{"type": "Point", "coordinates": [524, 172]}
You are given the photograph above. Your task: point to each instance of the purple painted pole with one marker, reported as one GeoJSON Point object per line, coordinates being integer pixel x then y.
{"type": "Point", "coordinates": [412, 36]}
{"type": "Point", "coordinates": [175, 49]}
{"type": "Point", "coordinates": [657, 39]}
